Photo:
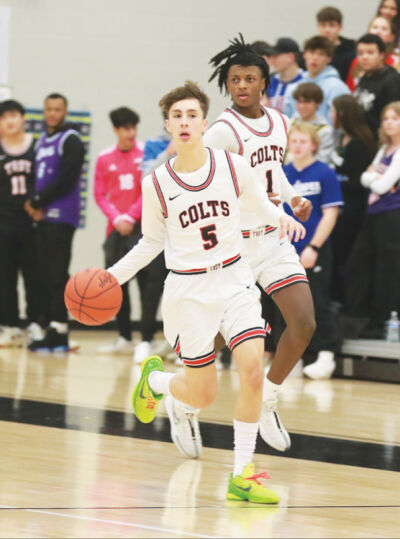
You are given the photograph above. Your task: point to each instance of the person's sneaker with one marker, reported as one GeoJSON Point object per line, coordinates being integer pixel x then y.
{"type": "Point", "coordinates": [272, 430]}
{"type": "Point", "coordinates": [11, 338]}
{"type": "Point", "coordinates": [34, 332]}
{"type": "Point", "coordinates": [247, 487]}
{"type": "Point", "coordinates": [144, 400]}
{"type": "Point", "coordinates": [142, 350]}
{"type": "Point", "coordinates": [118, 346]}
{"type": "Point", "coordinates": [322, 368]}
{"type": "Point", "coordinates": [53, 341]}
{"type": "Point", "coordinates": [185, 431]}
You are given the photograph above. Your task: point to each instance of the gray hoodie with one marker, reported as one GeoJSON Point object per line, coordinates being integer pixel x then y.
{"type": "Point", "coordinates": [329, 82]}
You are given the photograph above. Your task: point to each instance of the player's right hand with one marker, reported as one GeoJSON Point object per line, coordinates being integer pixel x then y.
{"type": "Point", "coordinates": [291, 228]}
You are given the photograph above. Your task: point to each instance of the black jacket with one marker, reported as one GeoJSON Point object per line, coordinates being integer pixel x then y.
{"type": "Point", "coordinates": [345, 53]}
{"type": "Point", "coordinates": [375, 91]}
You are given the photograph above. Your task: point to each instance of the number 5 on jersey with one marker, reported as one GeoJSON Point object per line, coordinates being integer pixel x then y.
{"type": "Point", "coordinates": [209, 236]}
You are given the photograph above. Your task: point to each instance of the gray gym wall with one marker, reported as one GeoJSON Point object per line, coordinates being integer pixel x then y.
{"type": "Point", "coordinates": [103, 54]}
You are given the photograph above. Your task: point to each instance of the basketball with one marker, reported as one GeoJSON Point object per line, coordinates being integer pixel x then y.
{"type": "Point", "coordinates": [93, 296]}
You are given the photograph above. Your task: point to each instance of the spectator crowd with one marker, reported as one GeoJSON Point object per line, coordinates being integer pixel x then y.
{"type": "Point", "coordinates": [342, 99]}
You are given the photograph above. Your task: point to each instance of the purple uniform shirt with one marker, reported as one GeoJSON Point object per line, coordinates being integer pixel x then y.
{"type": "Point", "coordinates": [49, 152]}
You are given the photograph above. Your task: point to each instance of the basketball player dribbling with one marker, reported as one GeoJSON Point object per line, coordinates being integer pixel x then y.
{"type": "Point", "coordinates": [191, 210]}
{"type": "Point", "coordinates": [259, 134]}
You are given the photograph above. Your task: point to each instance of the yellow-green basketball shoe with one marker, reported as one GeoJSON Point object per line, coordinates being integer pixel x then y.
{"type": "Point", "coordinates": [247, 487]}
{"type": "Point", "coordinates": [144, 400]}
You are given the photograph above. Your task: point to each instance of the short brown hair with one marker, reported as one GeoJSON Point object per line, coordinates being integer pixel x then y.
{"type": "Point", "coordinates": [330, 14]}
{"type": "Point", "coordinates": [309, 92]}
{"type": "Point", "coordinates": [307, 129]}
{"type": "Point", "coordinates": [320, 43]}
{"type": "Point", "coordinates": [190, 90]}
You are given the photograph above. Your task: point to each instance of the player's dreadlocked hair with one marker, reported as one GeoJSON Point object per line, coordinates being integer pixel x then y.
{"type": "Point", "coordinates": [238, 53]}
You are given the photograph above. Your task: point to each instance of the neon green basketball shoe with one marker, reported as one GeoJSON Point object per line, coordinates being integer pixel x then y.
{"type": "Point", "coordinates": [247, 487]}
{"type": "Point", "coordinates": [144, 400]}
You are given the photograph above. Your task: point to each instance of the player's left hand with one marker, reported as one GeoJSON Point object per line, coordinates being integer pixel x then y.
{"type": "Point", "coordinates": [274, 198]}
{"type": "Point", "coordinates": [293, 229]}
{"type": "Point", "coordinates": [302, 208]}
{"type": "Point", "coordinates": [308, 257]}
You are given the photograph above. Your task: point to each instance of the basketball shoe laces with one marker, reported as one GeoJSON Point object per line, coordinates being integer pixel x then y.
{"type": "Point", "coordinates": [257, 476]}
{"type": "Point", "coordinates": [150, 402]}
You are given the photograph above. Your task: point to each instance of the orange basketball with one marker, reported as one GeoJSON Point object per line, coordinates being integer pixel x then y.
{"type": "Point", "coordinates": [93, 296]}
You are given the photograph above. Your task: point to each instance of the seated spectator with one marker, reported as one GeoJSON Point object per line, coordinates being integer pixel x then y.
{"type": "Point", "coordinates": [284, 57]}
{"type": "Point", "coordinates": [373, 284]}
{"type": "Point", "coordinates": [308, 98]}
{"type": "Point", "coordinates": [384, 28]}
{"type": "Point", "coordinates": [318, 53]}
{"type": "Point", "coordinates": [380, 84]}
{"type": "Point", "coordinates": [330, 24]}
{"type": "Point", "coordinates": [390, 9]}
{"type": "Point", "coordinates": [354, 152]}
{"type": "Point", "coordinates": [317, 182]}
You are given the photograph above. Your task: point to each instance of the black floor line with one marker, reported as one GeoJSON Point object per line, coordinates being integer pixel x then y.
{"type": "Point", "coordinates": [315, 448]}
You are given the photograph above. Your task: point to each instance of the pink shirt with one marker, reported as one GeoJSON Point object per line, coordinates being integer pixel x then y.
{"type": "Point", "coordinates": [117, 184]}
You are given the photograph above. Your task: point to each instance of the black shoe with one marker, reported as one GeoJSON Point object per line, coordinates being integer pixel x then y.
{"type": "Point", "coordinates": [52, 342]}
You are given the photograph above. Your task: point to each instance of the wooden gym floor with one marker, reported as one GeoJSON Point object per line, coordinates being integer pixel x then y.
{"type": "Point", "coordinates": [75, 463]}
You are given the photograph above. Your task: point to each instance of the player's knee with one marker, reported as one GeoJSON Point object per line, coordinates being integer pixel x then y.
{"type": "Point", "coordinates": [206, 393]}
{"type": "Point", "coordinates": [303, 326]}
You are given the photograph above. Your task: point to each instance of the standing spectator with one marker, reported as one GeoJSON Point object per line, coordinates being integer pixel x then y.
{"type": "Point", "coordinates": [284, 57]}
{"type": "Point", "coordinates": [56, 207]}
{"type": "Point", "coordinates": [117, 190]}
{"type": "Point", "coordinates": [17, 245]}
{"type": "Point", "coordinates": [354, 152]}
{"type": "Point", "coordinates": [263, 49]}
{"type": "Point", "coordinates": [380, 84]}
{"type": "Point", "coordinates": [330, 24]}
{"type": "Point", "coordinates": [318, 53]}
{"type": "Point", "coordinates": [308, 98]}
{"type": "Point", "coordinates": [384, 28]}
{"type": "Point", "coordinates": [317, 182]}
{"type": "Point", "coordinates": [374, 266]}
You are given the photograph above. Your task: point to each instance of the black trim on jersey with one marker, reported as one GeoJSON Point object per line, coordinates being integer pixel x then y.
{"type": "Point", "coordinates": [181, 183]}
{"type": "Point", "coordinates": [160, 195]}
{"type": "Point", "coordinates": [233, 173]}
{"type": "Point", "coordinates": [204, 356]}
{"type": "Point", "coordinates": [258, 133]}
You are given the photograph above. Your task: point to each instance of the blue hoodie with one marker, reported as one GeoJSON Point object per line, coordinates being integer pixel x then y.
{"type": "Point", "coordinates": [330, 83]}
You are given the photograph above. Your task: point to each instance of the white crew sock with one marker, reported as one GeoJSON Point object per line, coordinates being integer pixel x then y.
{"type": "Point", "coordinates": [159, 382]}
{"type": "Point", "coordinates": [270, 389]}
{"type": "Point", "coordinates": [245, 436]}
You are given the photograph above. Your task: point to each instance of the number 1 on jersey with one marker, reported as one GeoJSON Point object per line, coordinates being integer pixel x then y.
{"type": "Point", "coordinates": [208, 233]}
{"type": "Point", "coordinates": [268, 174]}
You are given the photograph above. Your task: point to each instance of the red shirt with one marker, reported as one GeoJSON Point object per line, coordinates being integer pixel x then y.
{"type": "Point", "coordinates": [117, 184]}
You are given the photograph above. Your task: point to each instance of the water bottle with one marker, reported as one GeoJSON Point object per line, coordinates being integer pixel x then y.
{"type": "Point", "coordinates": [393, 328]}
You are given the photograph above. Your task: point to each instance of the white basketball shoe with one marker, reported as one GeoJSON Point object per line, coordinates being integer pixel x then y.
{"type": "Point", "coordinates": [272, 430]}
{"type": "Point", "coordinates": [185, 431]}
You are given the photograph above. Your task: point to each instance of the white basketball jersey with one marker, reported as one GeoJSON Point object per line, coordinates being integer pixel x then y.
{"type": "Point", "coordinates": [263, 147]}
{"type": "Point", "coordinates": [201, 211]}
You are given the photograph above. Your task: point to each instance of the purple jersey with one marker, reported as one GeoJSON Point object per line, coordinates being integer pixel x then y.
{"type": "Point", "coordinates": [389, 201]}
{"type": "Point", "coordinates": [49, 152]}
